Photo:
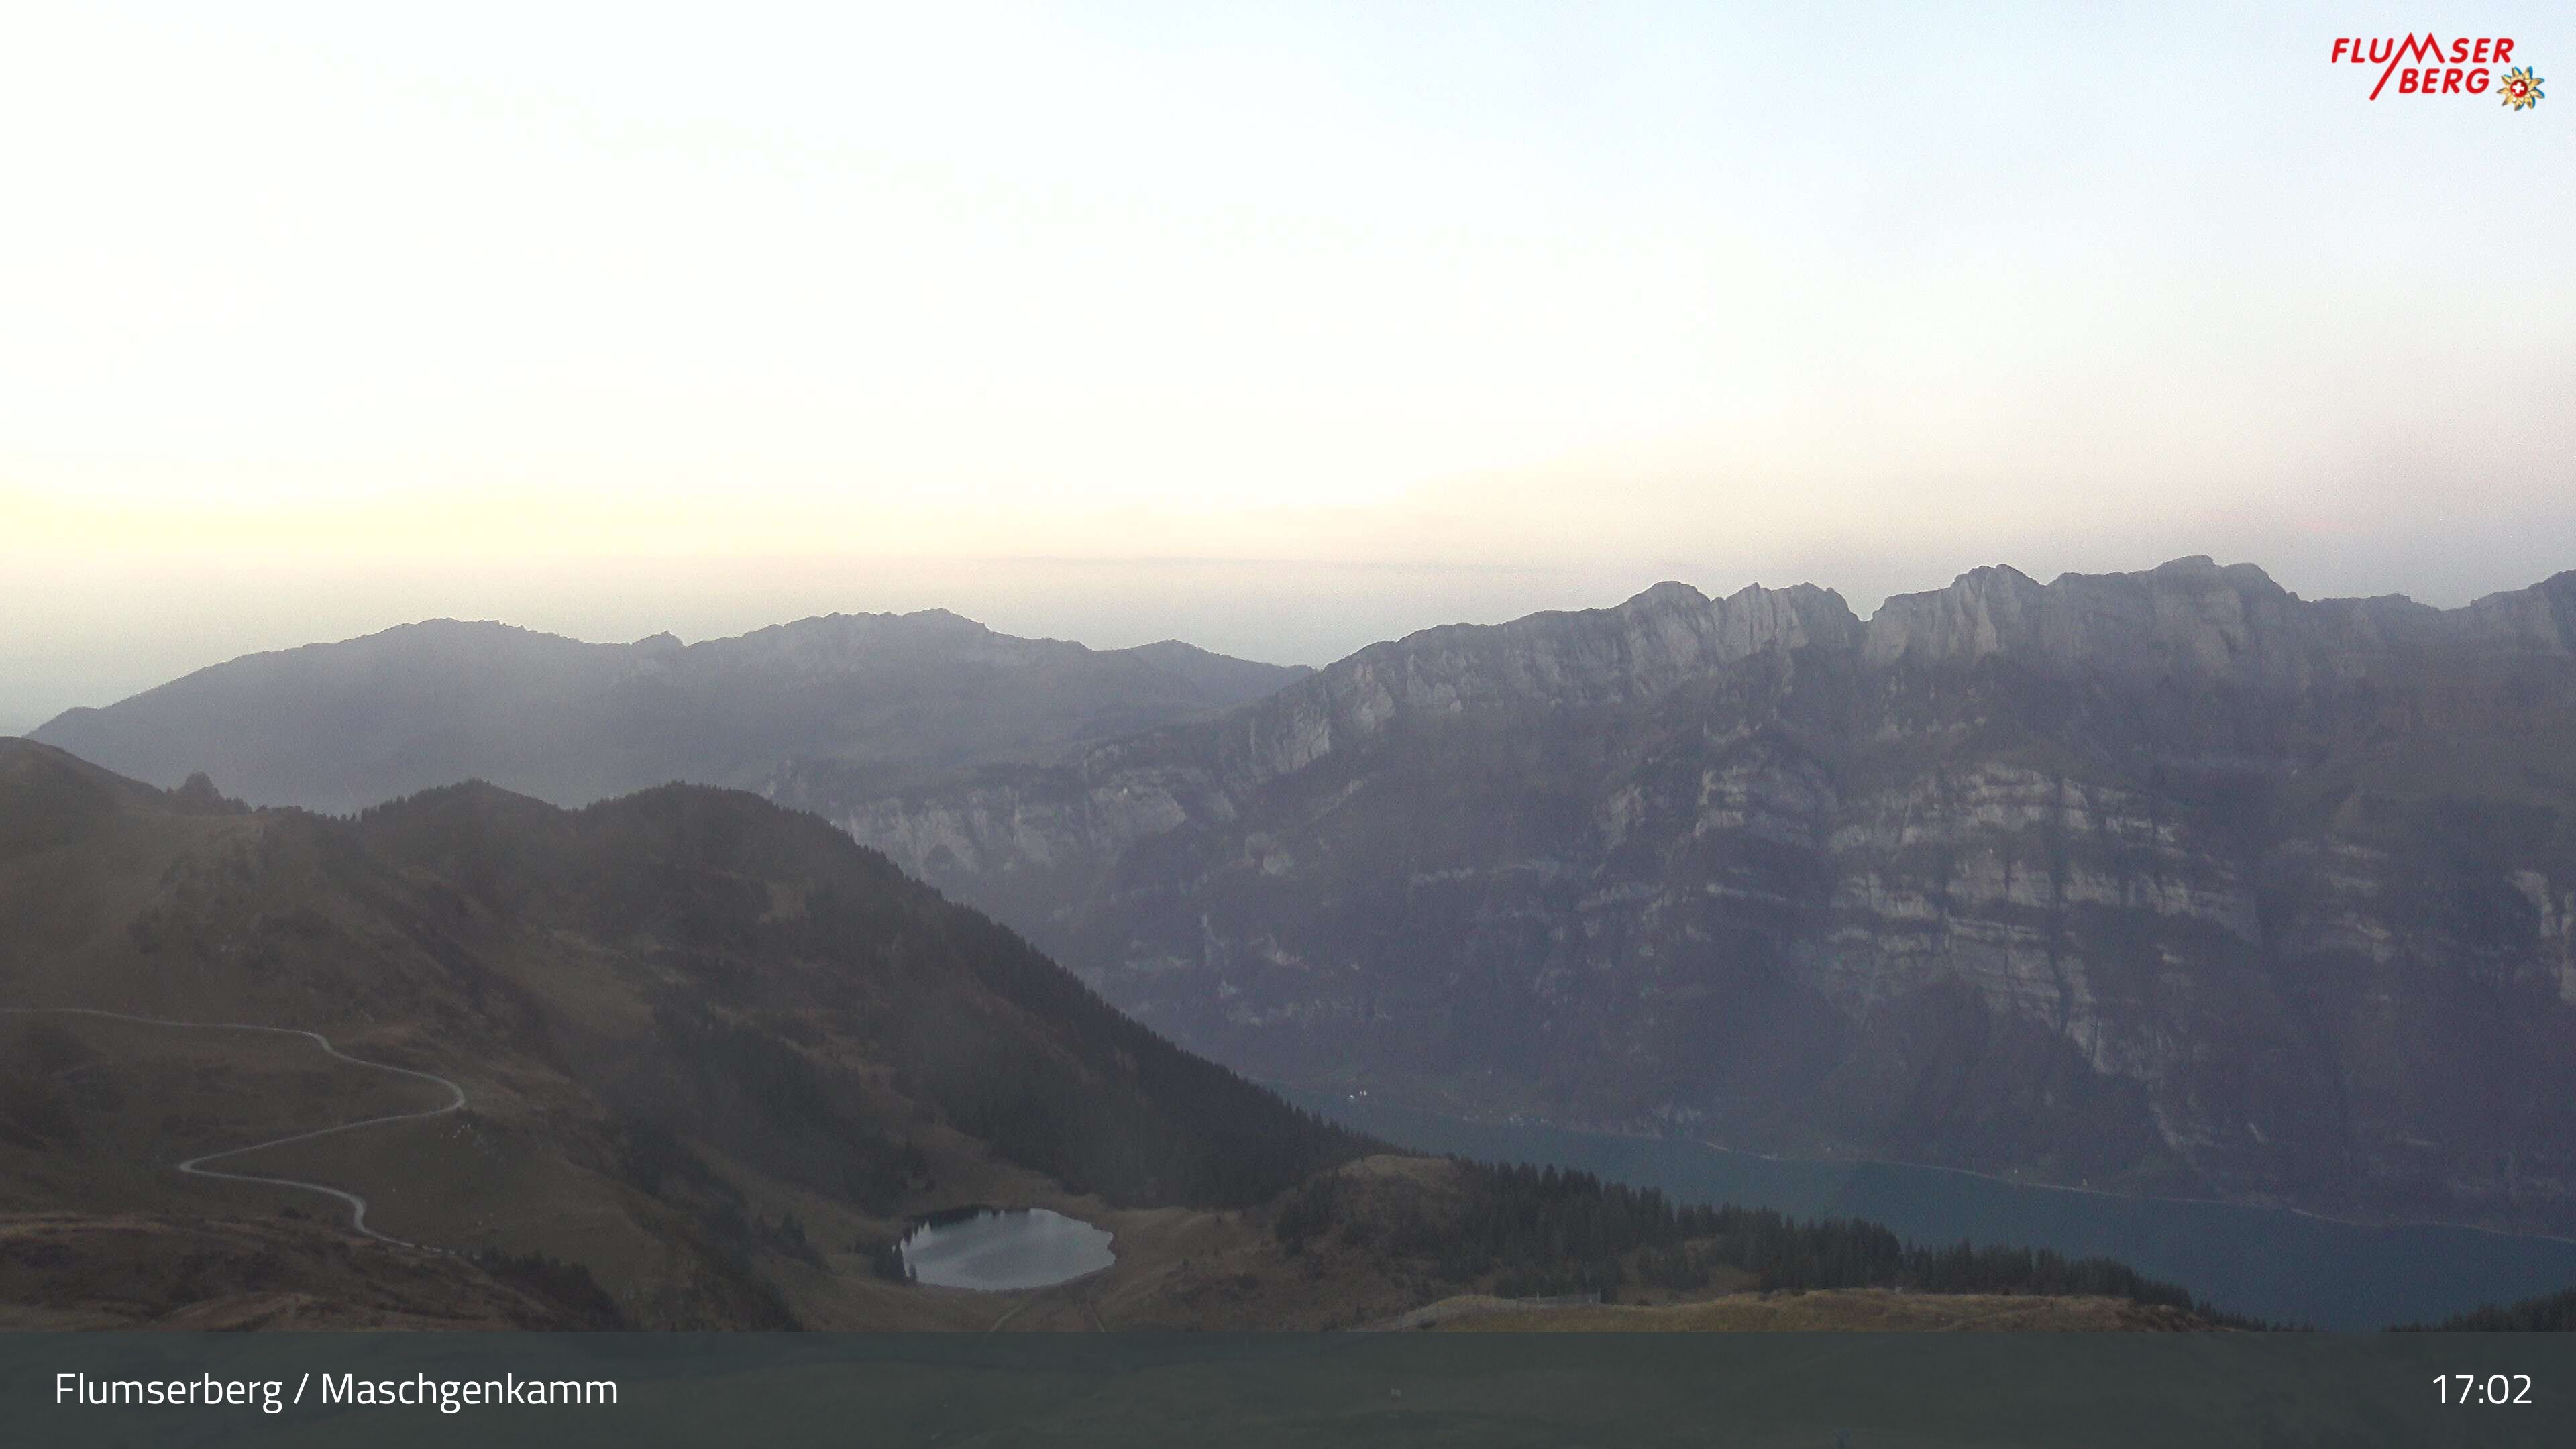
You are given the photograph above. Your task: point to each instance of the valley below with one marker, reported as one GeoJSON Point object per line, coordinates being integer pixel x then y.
{"type": "Point", "coordinates": [2164, 938]}
{"type": "Point", "coordinates": [689, 1061]}
{"type": "Point", "coordinates": [2168, 883]}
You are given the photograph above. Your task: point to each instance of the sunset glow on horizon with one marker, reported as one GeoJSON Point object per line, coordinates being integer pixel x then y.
{"type": "Point", "coordinates": [314, 321]}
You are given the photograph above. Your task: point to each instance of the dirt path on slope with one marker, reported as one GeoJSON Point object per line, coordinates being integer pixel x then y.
{"type": "Point", "coordinates": [195, 1166]}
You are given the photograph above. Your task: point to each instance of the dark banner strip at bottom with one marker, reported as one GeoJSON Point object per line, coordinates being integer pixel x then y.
{"type": "Point", "coordinates": [1137, 1391]}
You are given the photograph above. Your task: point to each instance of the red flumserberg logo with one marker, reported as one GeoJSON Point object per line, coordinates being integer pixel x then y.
{"type": "Point", "coordinates": [2424, 65]}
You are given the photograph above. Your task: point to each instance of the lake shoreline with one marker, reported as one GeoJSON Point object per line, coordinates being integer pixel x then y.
{"type": "Point", "coordinates": [2279, 1263]}
{"type": "Point", "coordinates": [989, 1249]}
{"type": "Point", "coordinates": [1303, 1094]}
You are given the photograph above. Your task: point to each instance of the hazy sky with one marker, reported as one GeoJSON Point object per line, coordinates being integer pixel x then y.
{"type": "Point", "coordinates": [1280, 328]}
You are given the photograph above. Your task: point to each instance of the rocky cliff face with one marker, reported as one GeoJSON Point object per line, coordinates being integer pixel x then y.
{"type": "Point", "coordinates": [2192, 619]}
{"type": "Point", "coordinates": [2169, 881]}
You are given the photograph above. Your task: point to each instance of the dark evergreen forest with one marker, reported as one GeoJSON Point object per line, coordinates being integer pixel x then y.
{"type": "Point", "coordinates": [2549, 1313]}
{"type": "Point", "coordinates": [1542, 1232]}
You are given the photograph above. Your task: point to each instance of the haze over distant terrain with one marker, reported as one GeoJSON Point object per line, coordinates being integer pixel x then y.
{"type": "Point", "coordinates": [1281, 329]}
{"type": "Point", "coordinates": [877, 698]}
{"type": "Point", "coordinates": [2168, 882]}
{"type": "Point", "coordinates": [425, 418]}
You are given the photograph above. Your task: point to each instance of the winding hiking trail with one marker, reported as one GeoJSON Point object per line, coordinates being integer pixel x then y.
{"type": "Point", "coordinates": [194, 1166]}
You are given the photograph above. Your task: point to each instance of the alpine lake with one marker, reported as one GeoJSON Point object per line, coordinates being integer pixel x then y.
{"type": "Point", "coordinates": [999, 1249]}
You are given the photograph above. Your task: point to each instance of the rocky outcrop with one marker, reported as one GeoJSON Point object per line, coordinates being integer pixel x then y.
{"type": "Point", "coordinates": [1655, 641]}
{"type": "Point", "coordinates": [2192, 619]}
{"type": "Point", "coordinates": [2170, 880]}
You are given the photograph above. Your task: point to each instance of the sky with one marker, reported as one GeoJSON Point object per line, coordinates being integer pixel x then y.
{"type": "Point", "coordinates": [1278, 328]}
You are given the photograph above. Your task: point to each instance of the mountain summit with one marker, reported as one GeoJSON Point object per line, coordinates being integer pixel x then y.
{"type": "Point", "coordinates": [2168, 880]}
{"type": "Point", "coordinates": [883, 698]}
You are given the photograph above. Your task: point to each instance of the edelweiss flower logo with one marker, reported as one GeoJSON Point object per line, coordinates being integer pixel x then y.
{"type": "Point", "coordinates": [2520, 88]}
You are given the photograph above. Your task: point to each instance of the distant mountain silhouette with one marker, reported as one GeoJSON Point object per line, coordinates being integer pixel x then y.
{"type": "Point", "coordinates": [880, 698]}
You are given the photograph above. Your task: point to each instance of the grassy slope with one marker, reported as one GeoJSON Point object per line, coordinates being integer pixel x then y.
{"type": "Point", "coordinates": [682, 1021]}
{"type": "Point", "coordinates": [712, 1051]}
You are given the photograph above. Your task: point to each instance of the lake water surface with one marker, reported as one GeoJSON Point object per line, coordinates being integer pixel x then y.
{"type": "Point", "coordinates": [1001, 1248]}
{"type": "Point", "coordinates": [2269, 1262]}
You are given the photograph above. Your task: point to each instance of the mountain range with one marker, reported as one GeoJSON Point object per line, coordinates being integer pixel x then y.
{"type": "Point", "coordinates": [689, 1060]}
{"type": "Point", "coordinates": [2166, 882]}
{"type": "Point", "coordinates": [872, 699]}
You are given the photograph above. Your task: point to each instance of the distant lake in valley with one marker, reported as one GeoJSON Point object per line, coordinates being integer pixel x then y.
{"type": "Point", "coordinates": [2269, 1262]}
{"type": "Point", "coordinates": [994, 1249]}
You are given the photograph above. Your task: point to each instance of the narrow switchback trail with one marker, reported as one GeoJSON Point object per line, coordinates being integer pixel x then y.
{"type": "Point", "coordinates": [195, 1166]}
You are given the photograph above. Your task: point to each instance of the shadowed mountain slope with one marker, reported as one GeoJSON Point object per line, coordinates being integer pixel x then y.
{"type": "Point", "coordinates": [684, 1020]}
{"type": "Point", "coordinates": [714, 1059]}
